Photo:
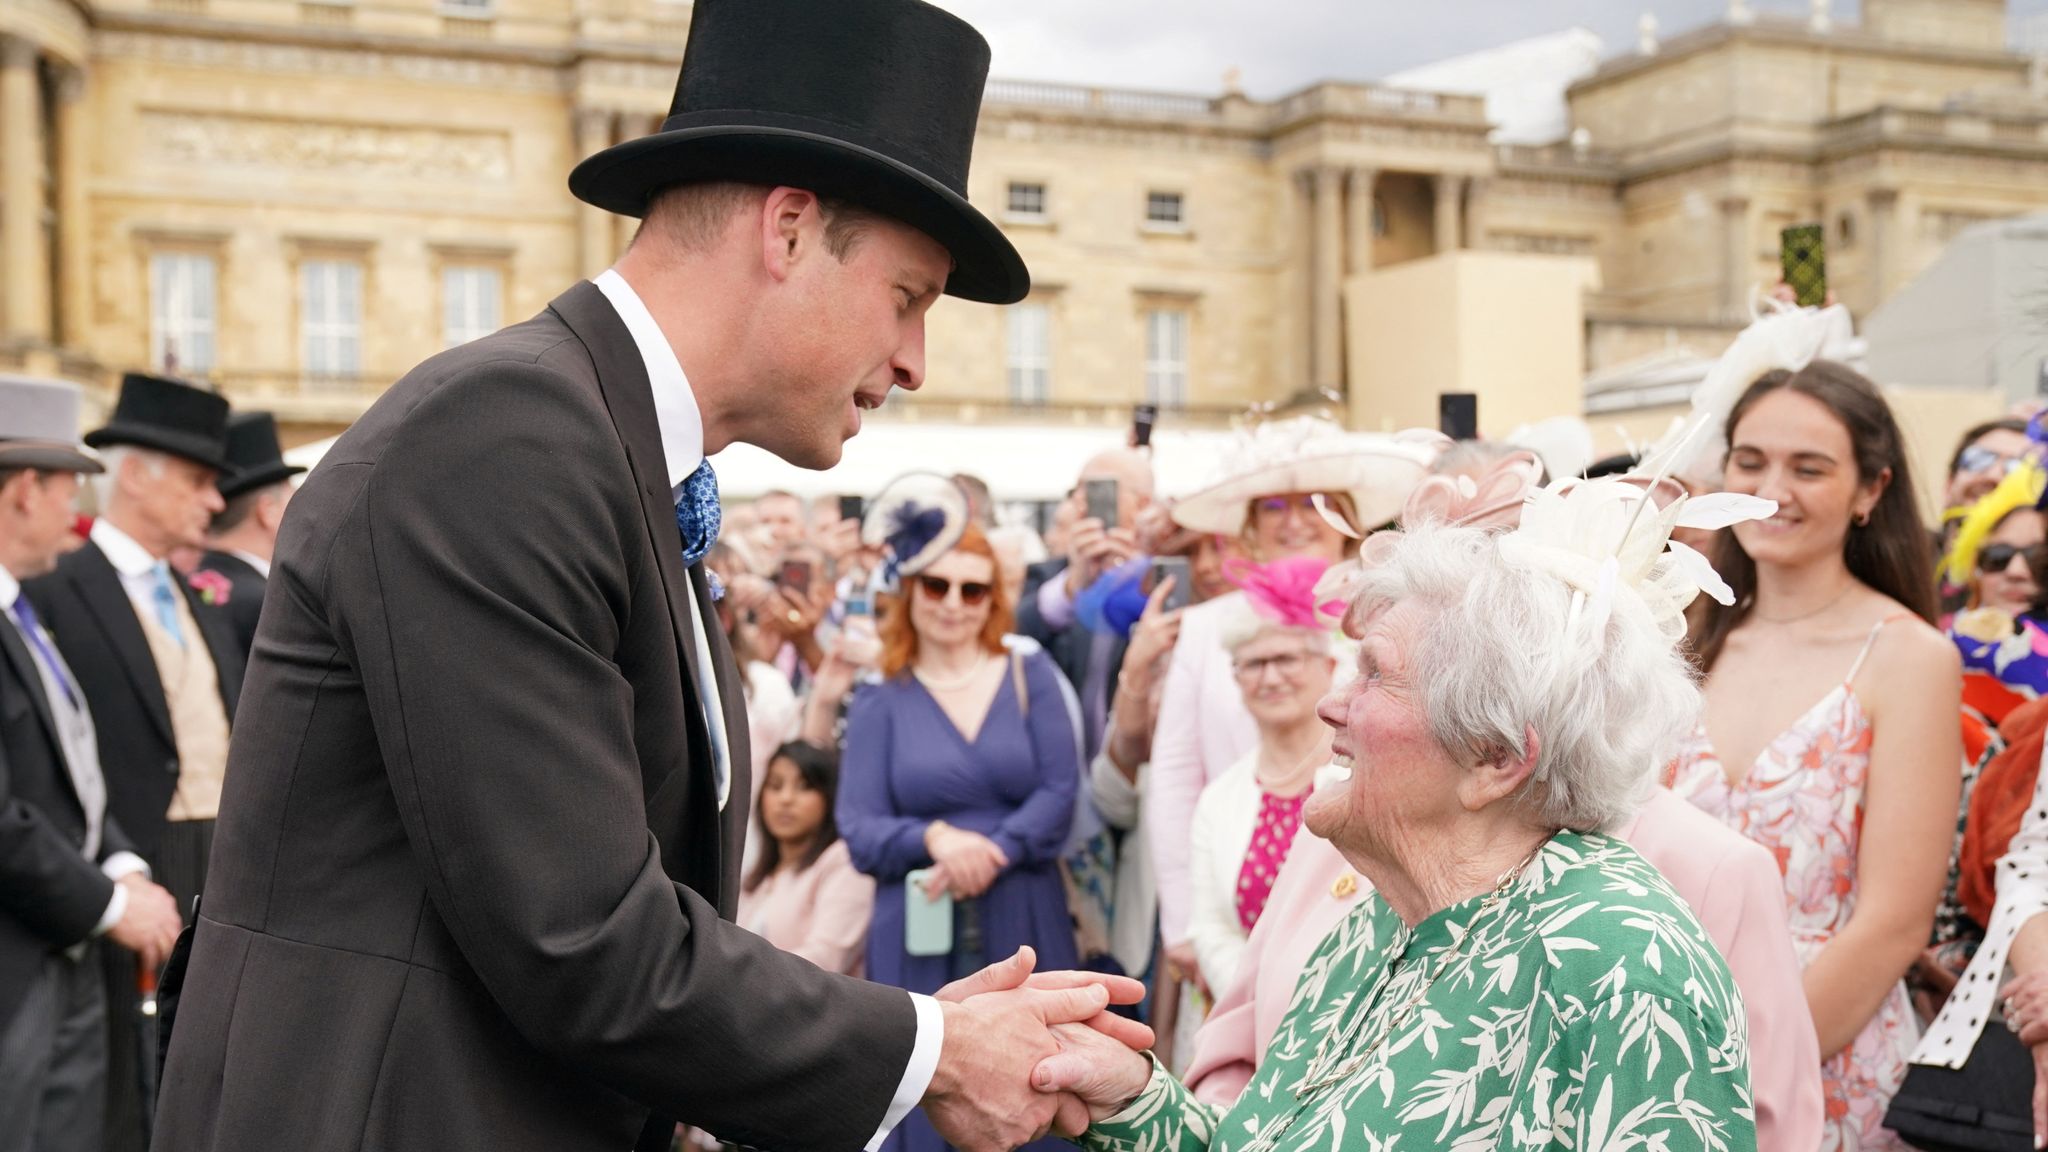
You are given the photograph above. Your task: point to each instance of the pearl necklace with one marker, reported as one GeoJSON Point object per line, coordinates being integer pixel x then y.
{"type": "Point", "coordinates": [936, 684]}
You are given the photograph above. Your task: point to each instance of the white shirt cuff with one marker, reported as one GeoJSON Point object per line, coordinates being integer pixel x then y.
{"type": "Point", "coordinates": [124, 864]}
{"type": "Point", "coordinates": [117, 907]}
{"type": "Point", "coordinates": [917, 1075]}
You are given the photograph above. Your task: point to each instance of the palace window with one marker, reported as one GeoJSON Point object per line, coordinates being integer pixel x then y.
{"type": "Point", "coordinates": [331, 318]}
{"type": "Point", "coordinates": [181, 313]}
{"type": "Point", "coordinates": [1165, 210]}
{"type": "Point", "coordinates": [1030, 353]}
{"type": "Point", "coordinates": [1026, 200]}
{"type": "Point", "coordinates": [471, 295]}
{"type": "Point", "coordinates": [1166, 357]}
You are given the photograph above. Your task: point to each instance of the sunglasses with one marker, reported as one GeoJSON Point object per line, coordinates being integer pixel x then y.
{"type": "Point", "coordinates": [1976, 459]}
{"type": "Point", "coordinates": [972, 592]}
{"type": "Point", "coordinates": [1998, 557]}
{"type": "Point", "coordinates": [1304, 502]}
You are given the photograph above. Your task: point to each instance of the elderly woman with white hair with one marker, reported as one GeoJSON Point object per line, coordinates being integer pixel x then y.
{"type": "Point", "coordinates": [1518, 979]}
{"type": "Point", "coordinates": [1246, 819]}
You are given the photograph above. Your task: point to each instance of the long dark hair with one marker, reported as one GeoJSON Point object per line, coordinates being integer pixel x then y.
{"type": "Point", "coordinates": [819, 768]}
{"type": "Point", "coordinates": [1891, 553]}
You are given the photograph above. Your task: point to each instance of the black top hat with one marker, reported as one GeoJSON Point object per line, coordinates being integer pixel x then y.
{"type": "Point", "coordinates": [254, 455]}
{"type": "Point", "coordinates": [869, 101]}
{"type": "Point", "coordinates": [169, 416]}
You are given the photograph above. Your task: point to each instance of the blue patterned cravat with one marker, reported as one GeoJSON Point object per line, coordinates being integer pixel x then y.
{"type": "Point", "coordinates": [697, 513]}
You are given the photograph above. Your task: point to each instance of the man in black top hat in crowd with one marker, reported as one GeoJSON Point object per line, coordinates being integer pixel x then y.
{"type": "Point", "coordinates": [481, 838]}
{"type": "Point", "coordinates": [68, 877]}
{"type": "Point", "coordinates": [243, 535]}
{"type": "Point", "coordinates": [158, 667]}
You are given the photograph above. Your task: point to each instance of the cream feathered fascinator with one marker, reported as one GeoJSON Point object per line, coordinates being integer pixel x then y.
{"type": "Point", "coordinates": [1783, 337]}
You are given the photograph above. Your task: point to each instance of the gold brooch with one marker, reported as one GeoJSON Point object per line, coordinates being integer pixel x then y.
{"type": "Point", "coordinates": [1345, 887]}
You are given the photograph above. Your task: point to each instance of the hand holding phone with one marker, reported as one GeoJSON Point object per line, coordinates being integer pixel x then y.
{"type": "Point", "coordinates": [1143, 416]}
{"type": "Point", "coordinates": [1101, 497]}
{"type": "Point", "coordinates": [1182, 573]}
{"type": "Point", "coordinates": [927, 918]}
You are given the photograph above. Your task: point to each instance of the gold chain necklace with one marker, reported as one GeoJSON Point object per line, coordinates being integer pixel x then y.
{"type": "Point", "coordinates": [1321, 1075]}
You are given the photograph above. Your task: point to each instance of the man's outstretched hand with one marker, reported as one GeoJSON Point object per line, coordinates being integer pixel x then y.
{"type": "Point", "coordinates": [998, 1028]}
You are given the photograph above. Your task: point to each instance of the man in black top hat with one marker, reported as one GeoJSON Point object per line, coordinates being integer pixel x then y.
{"type": "Point", "coordinates": [68, 876]}
{"type": "Point", "coordinates": [243, 535]}
{"type": "Point", "coordinates": [481, 839]}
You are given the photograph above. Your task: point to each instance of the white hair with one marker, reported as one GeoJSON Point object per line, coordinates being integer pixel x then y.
{"type": "Point", "coordinates": [1490, 664]}
{"type": "Point", "coordinates": [114, 458]}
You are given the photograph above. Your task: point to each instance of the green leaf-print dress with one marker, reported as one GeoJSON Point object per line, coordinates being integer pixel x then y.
{"type": "Point", "coordinates": [1587, 1012]}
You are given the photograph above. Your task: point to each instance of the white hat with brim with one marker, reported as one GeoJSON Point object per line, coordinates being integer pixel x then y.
{"type": "Point", "coordinates": [1376, 472]}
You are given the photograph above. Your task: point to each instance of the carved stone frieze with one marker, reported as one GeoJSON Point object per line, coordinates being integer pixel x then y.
{"type": "Point", "coordinates": [364, 63]}
{"type": "Point", "coordinates": [404, 152]}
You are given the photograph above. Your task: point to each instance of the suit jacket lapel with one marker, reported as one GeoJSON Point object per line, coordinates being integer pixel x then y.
{"type": "Point", "coordinates": [31, 677]}
{"type": "Point", "coordinates": [738, 743]}
{"type": "Point", "coordinates": [622, 379]}
{"type": "Point", "coordinates": [100, 587]}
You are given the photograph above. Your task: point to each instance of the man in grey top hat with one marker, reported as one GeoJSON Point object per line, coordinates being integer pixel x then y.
{"type": "Point", "coordinates": [68, 876]}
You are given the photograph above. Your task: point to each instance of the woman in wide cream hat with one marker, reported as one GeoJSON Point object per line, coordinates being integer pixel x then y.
{"type": "Point", "coordinates": [1262, 499]}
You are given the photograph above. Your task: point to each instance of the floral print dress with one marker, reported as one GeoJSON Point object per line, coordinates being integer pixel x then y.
{"type": "Point", "coordinates": [1582, 1009]}
{"type": "Point", "coordinates": [1803, 800]}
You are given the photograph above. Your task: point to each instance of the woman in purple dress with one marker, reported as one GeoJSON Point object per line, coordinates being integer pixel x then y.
{"type": "Point", "coordinates": [963, 761]}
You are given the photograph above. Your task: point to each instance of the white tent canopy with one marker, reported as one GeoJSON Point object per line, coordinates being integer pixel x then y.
{"type": "Point", "coordinates": [1020, 464]}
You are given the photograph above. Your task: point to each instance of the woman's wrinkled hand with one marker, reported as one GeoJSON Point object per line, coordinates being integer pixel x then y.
{"type": "Point", "coordinates": [1098, 1076]}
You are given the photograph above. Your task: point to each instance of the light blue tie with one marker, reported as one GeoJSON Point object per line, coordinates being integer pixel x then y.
{"type": "Point", "coordinates": [166, 601]}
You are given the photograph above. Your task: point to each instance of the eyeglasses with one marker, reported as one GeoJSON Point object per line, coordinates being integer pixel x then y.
{"type": "Point", "coordinates": [971, 592]}
{"type": "Point", "coordinates": [1278, 506]}
{"type": "Point", "coordinates": [1998, 557]}
{"type": "Point", "coordinates": [1287, 664]}
{"type": "Point", "coordinates": [1977, 458]}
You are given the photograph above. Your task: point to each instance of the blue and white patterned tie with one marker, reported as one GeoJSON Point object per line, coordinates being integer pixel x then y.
{"type": "Point", "coordinates": [697, 515]}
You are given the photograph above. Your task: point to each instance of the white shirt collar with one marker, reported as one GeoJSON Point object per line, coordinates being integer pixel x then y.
{"type": "Point", "coordinates": [127, 557]}
{"type": "Point", "coordinates": [675, 405]}
{"type": "Point", "coordinates": [10, 589]}
{"type": "Point", "coordinates": [252, 560]}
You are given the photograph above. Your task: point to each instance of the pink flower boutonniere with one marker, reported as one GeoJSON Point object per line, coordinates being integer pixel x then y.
{"type": "Point", "coordinates": [213, 588]}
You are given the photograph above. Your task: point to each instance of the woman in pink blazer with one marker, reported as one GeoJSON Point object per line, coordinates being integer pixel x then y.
{"type": "Point", "coordinates": [804, 895]}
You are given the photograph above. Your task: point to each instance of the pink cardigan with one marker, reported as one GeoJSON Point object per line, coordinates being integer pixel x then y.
{"type": "Point", "coordinates": [1732, 885]}
{"type": "Point", "coordinates": [820, 913]}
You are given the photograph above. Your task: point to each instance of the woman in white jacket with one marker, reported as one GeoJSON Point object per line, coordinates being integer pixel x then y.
{"type": "Point", "coordinates": [1246, 819]}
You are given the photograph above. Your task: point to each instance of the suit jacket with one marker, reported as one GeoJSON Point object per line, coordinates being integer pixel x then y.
{"type": "Point", "coordinates": [51, 896]}
{"type": "Point", "coordinates": [245, 595]}
{"type": "Point", "coordinates": [467, 884]}
{"type": "Point", "coordinates": [89, 614]}
{"type": "Point", "coordinates": [1731, 884]}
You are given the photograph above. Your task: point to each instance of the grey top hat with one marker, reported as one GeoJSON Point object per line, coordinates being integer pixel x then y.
{"type": "Point", "coordinates": [39, 426]}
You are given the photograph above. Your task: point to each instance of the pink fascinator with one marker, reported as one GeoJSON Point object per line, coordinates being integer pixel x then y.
{"type": "Point", "coordinates": [1284, 591]}
{"type": "Point", "coordinates": [1493, 499]}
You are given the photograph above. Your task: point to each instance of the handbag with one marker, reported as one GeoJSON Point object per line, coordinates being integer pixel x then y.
{"type": "Point", "coordinates": [1987, 1105]}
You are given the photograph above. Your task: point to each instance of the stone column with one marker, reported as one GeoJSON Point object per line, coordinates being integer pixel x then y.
{"type": "Point", "coordinates": [1364, 183]}
{"type": "Point", "coordinates": [1884, 244]}
{"type": "Point", "coordinates": [1450, 212]}
{"type": "Point", "coordinates": [1736, 264]}
{"type": "Point", "coordinates": [24, 263]}
{"type": "Point", "coordinates": [1301, 269]}
{"type": "Point", "coordinates": [74, 231]}
{"type": "Point", "coordinates": [1327, 369]}
{"type": "Point", "coordinates": [598, 243]}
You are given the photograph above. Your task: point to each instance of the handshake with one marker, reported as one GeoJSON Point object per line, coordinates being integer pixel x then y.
{"type": "Point", "coordinates": [1029, 1054]}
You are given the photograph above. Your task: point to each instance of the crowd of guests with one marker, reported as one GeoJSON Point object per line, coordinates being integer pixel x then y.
{"type": "Point", "coordinates": [1187, 740]}
{"type": "Point", "coordinates": [1080, 757]}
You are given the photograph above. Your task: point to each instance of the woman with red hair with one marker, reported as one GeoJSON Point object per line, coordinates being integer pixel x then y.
{"type": "Point", "coordinates": [964, 761]}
